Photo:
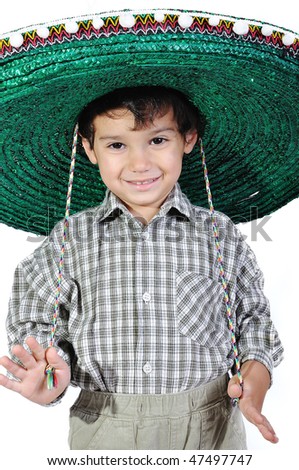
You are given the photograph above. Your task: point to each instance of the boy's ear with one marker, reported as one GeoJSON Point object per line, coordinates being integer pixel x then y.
{"type": "Point", "coordinates": [190, 140]}
{"type": "Point", "coordinates": [89, 151]}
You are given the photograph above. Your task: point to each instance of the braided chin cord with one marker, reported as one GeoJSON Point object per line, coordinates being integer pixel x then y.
{"type": "Point", "coordinates": [50, 371]}
{"type": "Point", "coordinates": [221, 269]}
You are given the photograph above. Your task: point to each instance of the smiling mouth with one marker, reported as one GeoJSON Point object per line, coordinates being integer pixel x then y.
{"type": "Point", "coordinates": [141, 183]}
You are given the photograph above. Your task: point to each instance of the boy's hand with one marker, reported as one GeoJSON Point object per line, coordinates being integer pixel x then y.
{"type": "Point", "coordinates": [256, 381]}
{"type": "Point", "coordinates": [33, 381]}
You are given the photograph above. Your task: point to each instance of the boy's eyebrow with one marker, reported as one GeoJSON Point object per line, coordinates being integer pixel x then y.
{"type": "Point", "coordinates": [111, 137]}
{"type": "Point", "coordinates": [153, 131]}
{"type": "Point", "coordinates": [157, 130]}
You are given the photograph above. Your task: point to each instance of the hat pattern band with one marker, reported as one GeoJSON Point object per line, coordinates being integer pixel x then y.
{"type": "Point", "coordinates": [145, 24]}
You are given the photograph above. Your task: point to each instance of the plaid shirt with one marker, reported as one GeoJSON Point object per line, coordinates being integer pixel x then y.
{"type": "Point", "coordinates": [142, 307]}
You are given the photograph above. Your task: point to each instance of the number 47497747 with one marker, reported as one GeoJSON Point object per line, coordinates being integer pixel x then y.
{"type": "Point", "coordinates": [221, 459]}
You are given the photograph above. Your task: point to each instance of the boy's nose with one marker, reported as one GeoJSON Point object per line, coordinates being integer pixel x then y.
{"type": "Point", "coordinates": [139, 161]}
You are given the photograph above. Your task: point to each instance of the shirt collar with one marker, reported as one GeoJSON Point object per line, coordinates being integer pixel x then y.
{"type": "Point", "coordinates": [176, 200]}
{"type": "Point", "coordinates": [112, 206]}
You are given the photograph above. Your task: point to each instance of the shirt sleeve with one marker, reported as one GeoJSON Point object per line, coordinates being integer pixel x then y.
{"type": "Point", "coordinates": [257, 338]}
{"type": "Point", "coordinates": [31, 305]}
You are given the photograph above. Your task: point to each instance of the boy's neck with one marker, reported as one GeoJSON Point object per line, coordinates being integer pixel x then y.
{"type": "Point", "coordinates": [145, 215]}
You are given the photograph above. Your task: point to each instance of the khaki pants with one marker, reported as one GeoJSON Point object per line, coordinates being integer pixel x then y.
{"type": "Point", "coordinates": [202, 418]}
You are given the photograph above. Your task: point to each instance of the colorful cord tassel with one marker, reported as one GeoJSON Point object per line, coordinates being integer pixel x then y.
{"type": "Point", "coordinates": [51, 377]}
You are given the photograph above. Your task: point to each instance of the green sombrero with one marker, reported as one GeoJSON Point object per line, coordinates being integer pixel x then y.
{"type": "Point", "coordinates": [243, 76]}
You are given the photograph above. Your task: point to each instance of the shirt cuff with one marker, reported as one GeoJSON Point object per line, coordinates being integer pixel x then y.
{"type": "Point", "coordinates": [268, 361]}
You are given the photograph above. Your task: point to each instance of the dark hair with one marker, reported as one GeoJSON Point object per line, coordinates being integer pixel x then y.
{"type": "Point", "coordinates": [145, 103]}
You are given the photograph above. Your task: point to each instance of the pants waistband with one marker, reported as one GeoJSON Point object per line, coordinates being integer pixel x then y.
{"type": "Point", "coordinates": [150, 405]}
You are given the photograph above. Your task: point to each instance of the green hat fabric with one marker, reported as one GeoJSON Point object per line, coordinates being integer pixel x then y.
{"type": "Point", "coordinates": [243, 76]}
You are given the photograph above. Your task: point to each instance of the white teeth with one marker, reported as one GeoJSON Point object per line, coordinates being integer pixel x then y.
{"type": "Point", "coordinates": [144, 182]}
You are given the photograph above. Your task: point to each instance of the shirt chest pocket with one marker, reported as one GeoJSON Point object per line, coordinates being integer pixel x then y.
{"type": "Point", "coordinates": [201, 311]}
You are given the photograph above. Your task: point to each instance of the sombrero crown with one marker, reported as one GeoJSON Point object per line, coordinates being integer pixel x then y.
{"type": "Point", "coordinates": [243, 76]}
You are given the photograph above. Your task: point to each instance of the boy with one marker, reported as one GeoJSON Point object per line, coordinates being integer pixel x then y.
{"type": "Point", "coordinates": [142, 328]}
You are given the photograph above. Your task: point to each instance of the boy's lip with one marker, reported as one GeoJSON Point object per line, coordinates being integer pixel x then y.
{"type": "Point", "coordinates": [143, 182]}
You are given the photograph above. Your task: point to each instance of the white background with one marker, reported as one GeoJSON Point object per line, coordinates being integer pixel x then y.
{"type": "Point", "coordinates": [28, 430]}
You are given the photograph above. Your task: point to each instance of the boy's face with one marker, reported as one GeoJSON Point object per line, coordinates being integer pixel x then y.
{"type": "Point", "coordinates": [139, 166]}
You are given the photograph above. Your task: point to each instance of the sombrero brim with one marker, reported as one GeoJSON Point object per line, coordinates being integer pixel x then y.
{"type": "Point", "coordinates": [246, 85]}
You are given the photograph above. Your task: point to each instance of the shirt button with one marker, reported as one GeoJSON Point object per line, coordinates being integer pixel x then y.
{"type": "Point", "coordinates": [147, 368]}
{"type": "Point", "coordinates": [144, 236]}
{"type": "Point", "coordinates": [146, 297]}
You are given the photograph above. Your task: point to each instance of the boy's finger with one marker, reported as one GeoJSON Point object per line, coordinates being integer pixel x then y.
{"type": "Point", "coordinates": [12, 367]}
{"type": "Point", "coordinates": [24, 356]}
{"type": "Point", "coordinates": [30, 360]}
{"type": "Point", "coordinates": [267, 430]}
{"type": "Point", "coordinates": [268, 434]}
{"type": "Point", "coordinates": [234, 388]}
{"type": "Point", "coordinates": [36, 349]}
{"type": "Point", "coordinates": [53, 358]}
{"type": "Point", "coordinates": [10, 384]}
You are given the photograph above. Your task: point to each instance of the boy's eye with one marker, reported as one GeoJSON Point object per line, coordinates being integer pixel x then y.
{"type": "Point", "coordinates": [158, 140]}
{"type": "Point", "coordinates": [116, 145]}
